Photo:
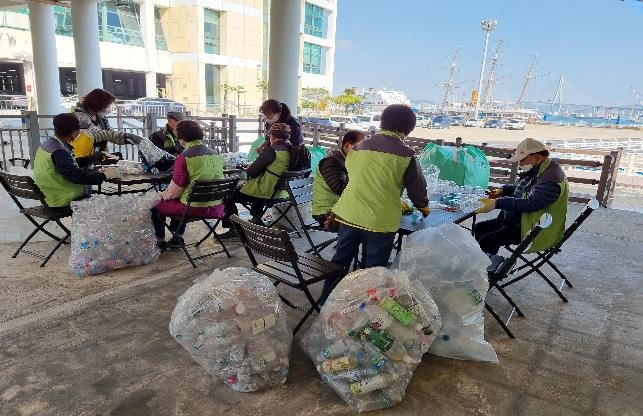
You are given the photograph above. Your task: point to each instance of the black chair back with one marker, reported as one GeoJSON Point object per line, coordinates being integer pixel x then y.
{"type": "Point", "coordinates": [268, 242]}
{"type": "Point", "coordinates": [589, 208]}
{"type": "Point", "coordinates": [204, 191]}
{"type": "Point", "coordinates": [289, 175]}
{"type": "Point", "coordinates": [505, 267]}
{"type": "Point", "coordinates": [21, 187]}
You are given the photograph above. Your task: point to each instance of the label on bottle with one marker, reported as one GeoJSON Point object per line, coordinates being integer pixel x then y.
{"type": "Point", "coordinates": [368, 385]}
{"type": "Point", "coordinates": [401, 314]}
{"type": "Point", "coordinates": [339, 364]}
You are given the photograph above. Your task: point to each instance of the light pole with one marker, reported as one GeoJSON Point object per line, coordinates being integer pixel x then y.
{"type": "Point", "coordinates": [487, 26]}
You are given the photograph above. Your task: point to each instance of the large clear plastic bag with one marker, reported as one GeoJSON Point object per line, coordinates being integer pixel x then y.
{"type": "Point", "coordinates": [130, 167]}
{"type": "Point", "coordinates": [110, 232]}
{"type": "Point", "coordinates": [448, 261]}
{"type": "Point", "coordinates": [370, 335]}
{"type": "Point", "coordinates": [233, 324]}
{"type": "Point", "coordinates": [151, 153]}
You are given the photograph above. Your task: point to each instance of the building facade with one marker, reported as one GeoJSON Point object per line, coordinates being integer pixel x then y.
{"type": "Point", "coordinates": [208, 54]}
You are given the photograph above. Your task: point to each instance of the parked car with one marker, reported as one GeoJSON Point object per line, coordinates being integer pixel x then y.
{"type": "Point", "coordinates": [422, 121]}
{"type": "Point", "coordinates": [441, 122]}
{"type": "Point", "coordinates": [369, 120]}
{"type": "Point", "coordinates": [152, 105]}
{"type": "Point", "coordinates": [13, 102]}
{"type": "Point", "coordinates": [457, 121]}
{"type": "Point", "coordinates": [494, 123]}
{"type": "Point", "coordinates": [515, 124]}
{"type": "Point", "coordinates": [350, 123]}
{"type": "Point", "coordinates": [317, 120]}
{"type": "Point", "coordinates": [470, 123]}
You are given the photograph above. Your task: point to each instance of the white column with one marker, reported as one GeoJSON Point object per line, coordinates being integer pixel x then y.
{"type": "Point", "coordinates": [148, 28]}
{"type": "Point", "coordinates": [45, 61]}
{"type": "Point", "coordinates": [284, 51]}
{"type": "Point", "coordinates": [84, 16]}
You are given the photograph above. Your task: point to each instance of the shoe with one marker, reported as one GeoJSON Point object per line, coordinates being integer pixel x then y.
{"type": "Point", "coordinates": [175, 242]}
{"type": "Point", "coordinates": [161, 243]}
{"type": "Point", "coordinates": [228, 235]}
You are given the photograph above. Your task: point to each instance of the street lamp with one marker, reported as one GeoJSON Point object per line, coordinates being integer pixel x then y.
{"type": "Point", "coordinates": [487, 26]}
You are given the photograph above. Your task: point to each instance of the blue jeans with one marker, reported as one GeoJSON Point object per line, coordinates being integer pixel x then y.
{"type": "Point", "coordinates": [376, 246]}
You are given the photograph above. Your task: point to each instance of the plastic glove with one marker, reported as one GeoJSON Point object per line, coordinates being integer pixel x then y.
{"type": "Point", "coordinates": [425, 211]}
{"type": "Point", "coordinates": [132, 138]}
{"type": "Point", "coordinates": [489, 205]}
{"type": "Point", "coordinates": [111, 173]}
{"type": "Point", "coordinates": [495, 193]}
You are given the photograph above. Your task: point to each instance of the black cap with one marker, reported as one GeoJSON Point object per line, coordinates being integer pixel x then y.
{"type": "Point", "coordinates": [65, 124]}
{"type": "Point", "coordinates": [398, 118]}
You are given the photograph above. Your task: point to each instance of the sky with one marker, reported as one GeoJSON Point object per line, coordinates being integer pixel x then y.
{"type": "Point", "coordinates": [597, 45]}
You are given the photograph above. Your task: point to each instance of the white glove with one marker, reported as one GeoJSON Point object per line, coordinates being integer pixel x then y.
{"type": "Point", "coordinates": [111, 172]}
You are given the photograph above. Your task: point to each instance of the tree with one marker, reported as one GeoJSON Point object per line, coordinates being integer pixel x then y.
{"type": "Point", "coordinates": [262, 86]}
{"type": "Point", "coordinates": [315, 99]}
{"type": "Point", "coordinates": [348, 99]}
{"type": "Point", "coordinates": [227, 89]}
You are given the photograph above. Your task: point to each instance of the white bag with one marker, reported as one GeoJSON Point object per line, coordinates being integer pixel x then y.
{"type": "Point", "coordinates": [233, 324]}
{"type": "Point", "coordinates": [371, 335]}
{"type": "Point", "coordinates": [448, 261]}
{"type": "Point", "coordinates": [111, 232]}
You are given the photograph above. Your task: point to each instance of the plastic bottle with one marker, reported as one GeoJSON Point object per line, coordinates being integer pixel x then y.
{"type": "Point", "coordinates": [370, 384]}
{"type": "Point", "coordinates": [401, 314]}
{"type": "Point", "coordinates": [333, 350]}
{"type": "Point", "coordinates": [339, 364]}
{"type": "Point", "coordinates": [381, 339]}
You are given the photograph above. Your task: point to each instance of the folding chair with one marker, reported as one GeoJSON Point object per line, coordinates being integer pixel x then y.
{"type": "Point", "coordinates": [501, 269]}
{"type": "Point", "coordinates": [22, 161]}
{"type": "Point", "coordinates": [282, 185]}
{"type": "Point", "coordinates": [25, 187]}
{"type": "Point", "coordinates": [544, 257]}
{"type": "Point", "coordinates": [203, 191]}
{"type": "Point", "coordinates": [286, 266]}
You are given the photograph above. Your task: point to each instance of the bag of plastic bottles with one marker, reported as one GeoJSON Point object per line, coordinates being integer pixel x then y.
{"type": "Point", "coordinates": [153, 155]}
{"type": "Point", "coordinates": [233, 324]}
{"type": "Point", "coordinates": [448, 261]}
{"type": "Point", "coordinates": [110, 232]}
{"type": "Point", "coordinates": [129, 167]}
{"type": "Point", "coordinates": [466, 165]}
{"type": "Point", "coordinates": [370, 335]}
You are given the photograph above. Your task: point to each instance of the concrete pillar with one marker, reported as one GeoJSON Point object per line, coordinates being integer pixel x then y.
{"type": "Point", "coordinates": [45, 61]}
{"type": "Point", "coordinates": [84, 16]}
{"type": "Point", "coordinates": [148, 28]}
{"type": "Point", "coordinates": [284, 51]}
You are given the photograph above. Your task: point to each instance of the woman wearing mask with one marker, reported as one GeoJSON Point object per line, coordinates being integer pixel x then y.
{"type": "Point", "coordinates": [95, 129]}
{"type": "Point", "coordinates": [279, 113]}
{"type": "Point", "coordinates": [332, 177]}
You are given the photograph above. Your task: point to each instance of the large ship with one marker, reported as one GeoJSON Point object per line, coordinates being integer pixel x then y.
{"type": "Point", "coordinates": [376, 101]}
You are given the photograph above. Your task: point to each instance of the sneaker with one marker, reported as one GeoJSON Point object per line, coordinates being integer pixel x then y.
{"type": "Point", "coordinates": [175, 242]}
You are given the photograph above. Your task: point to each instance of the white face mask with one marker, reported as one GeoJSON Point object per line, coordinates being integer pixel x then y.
{"type": "Point", "coordinates": [526, 168]}
{"type": "Point", "coordinates": [273, 118]}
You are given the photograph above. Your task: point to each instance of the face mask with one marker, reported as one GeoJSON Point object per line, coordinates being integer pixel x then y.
{"type": "Point", "coordinates": [273, 118]}
{"type": "Point", "coordinates": [526, 168]}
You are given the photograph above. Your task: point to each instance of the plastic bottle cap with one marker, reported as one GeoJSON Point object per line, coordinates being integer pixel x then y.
{"type": "Point", "coordinates": [240, 308]}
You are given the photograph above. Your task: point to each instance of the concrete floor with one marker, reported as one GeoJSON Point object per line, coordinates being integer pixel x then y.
{"type": "Point", "coordinates": [101, 346]}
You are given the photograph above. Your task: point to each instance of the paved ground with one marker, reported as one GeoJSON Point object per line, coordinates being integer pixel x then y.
{"type": "Point", "coordinates": [100, 345]}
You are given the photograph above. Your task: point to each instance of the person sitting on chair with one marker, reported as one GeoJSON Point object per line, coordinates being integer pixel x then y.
{"type": "Point", "coordinates": [332, 177]}
{"type": "Point", "coordinates": [542, 187]}
{"type": "Point", "coordinates": [263, 175]}
{"type": "Point", "coordinates": [197, 162]}
{"type": "Point", "coordinates": [57, 173]}
{"type": "Point", "coordinates": [165, 138]}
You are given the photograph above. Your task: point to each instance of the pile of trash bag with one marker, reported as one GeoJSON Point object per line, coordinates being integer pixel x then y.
{"type": "Point", "coordinates": [233, 324]}
{"type": "Point", "coordinates": [154, 157]}
{"type": "Point", "coordinates": [110, 232]}
{"type": "Point", "coordinates": [235, 160]}
{"type": "Point", "coordinates": [448, 262]}
{"type": "Point", "coordinates": [466, 165]}
{"type": "Point", "coordinates": [370, 335]}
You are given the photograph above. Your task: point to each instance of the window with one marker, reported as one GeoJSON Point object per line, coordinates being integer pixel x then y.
{"type": "Point", "coordinates": [312, 58]}
{"type": "Point", "coordinates": [212, 85]}
{"type": "Point", "coordinates": [314, 20]}
{"type": "Point", "coordinates": [119, 24]}
{"type": "Point", "coordinates": [62, 15]}
{"type": "Point", "coordinates": [158, 30]}
{"type": "Point", "coordinates": [211, 31]}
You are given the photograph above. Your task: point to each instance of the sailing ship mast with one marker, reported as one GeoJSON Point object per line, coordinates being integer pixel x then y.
{"type": "Point", "coordinates": [448, 85]}
{"type": "Point", "coordinates": [488, 92]}
{"type": "Point", "coordinates": [528, 78]}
